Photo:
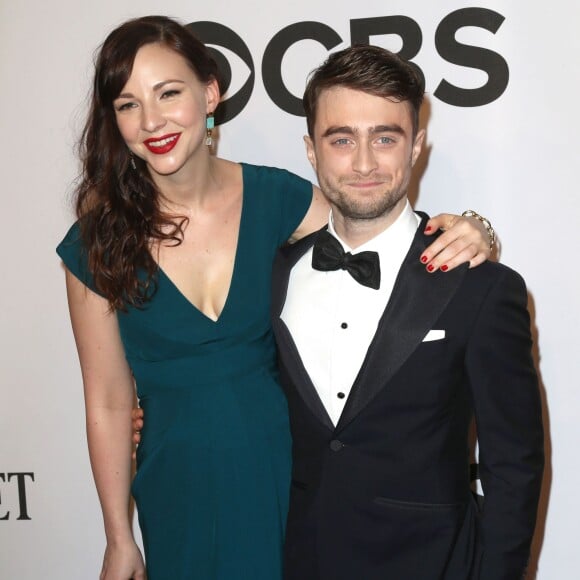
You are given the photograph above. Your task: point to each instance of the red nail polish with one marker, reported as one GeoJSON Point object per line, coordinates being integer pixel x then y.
{"type": "Point", "coordinates": [444, 267]}
{"type": "Point", "coordinates": [430, 267]}
{"type": "Point", "coordinates": [428, 229]}
{"type": "Point", "coordinates": [423, 259]}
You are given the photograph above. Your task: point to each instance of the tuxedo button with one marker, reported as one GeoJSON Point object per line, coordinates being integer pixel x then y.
{"type": "Point", "coordinates": [344, 325]}
{"type": "Point", "coordinates": [336, 445]}
{"type": "Point", "coordinates": [341, 395]}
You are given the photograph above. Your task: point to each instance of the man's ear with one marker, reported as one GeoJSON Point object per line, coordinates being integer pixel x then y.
{"type": "Point", "coordinates": [310, 151]}
{"type": "Point", "coordinates": [417, 146]}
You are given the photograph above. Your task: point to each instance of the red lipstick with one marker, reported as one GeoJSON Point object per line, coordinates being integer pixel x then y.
{"type": "Point", "coordinates": [163, 144]}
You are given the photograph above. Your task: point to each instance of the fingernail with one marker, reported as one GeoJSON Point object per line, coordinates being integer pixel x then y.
{"type": "Point", "coordinates": [430, 267]}
{"type": "Point", "coordinates": [444, 267]}
{"type": "Point", "coordinates": [423, 259]}
{"type": "Point", "coordinates": [428, 228]}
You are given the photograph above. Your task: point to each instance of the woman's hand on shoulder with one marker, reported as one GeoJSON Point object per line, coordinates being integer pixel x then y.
{"type": "Point", "coordinates": [123, 561]}
{"type": "Point", "coordinates": [464, 239]}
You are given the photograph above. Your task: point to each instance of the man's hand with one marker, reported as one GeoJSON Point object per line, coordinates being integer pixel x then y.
{"type": "Point", "coordinates": [465, 239]}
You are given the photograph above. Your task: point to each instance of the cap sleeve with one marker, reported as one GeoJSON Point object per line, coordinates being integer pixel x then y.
{"type": "Point", "coordinates": [74, 256]}
{"type": "Point", "coordinates": [287, 196]}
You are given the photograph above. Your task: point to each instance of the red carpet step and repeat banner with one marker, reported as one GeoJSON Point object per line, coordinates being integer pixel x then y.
{"type": "Point", "coordinates": [502, 138]}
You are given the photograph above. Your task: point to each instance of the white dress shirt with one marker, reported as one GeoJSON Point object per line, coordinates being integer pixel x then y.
{"type": "Point", "coordinates": [333, 318]}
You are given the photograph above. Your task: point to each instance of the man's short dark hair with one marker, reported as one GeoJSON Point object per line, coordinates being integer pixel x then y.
{"type": "Point", "coordinates": [370, 69]}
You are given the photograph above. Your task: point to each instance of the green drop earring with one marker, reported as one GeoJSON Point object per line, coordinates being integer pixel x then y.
{"type": "Point", "coordinates": [209, 125]}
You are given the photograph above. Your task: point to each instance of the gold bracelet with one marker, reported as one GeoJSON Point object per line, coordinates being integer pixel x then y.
{"type": "Point", "coordinates": [486, 224]}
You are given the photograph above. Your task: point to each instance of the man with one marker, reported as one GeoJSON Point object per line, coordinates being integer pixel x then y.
{"type": "Point", "coordinates": [384, 372]}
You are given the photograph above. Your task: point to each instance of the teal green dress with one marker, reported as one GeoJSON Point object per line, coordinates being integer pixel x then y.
{"type": "Point", "coordinates": [213, 474]}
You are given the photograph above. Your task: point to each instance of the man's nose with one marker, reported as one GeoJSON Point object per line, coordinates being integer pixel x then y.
{"type": "Point", "coordinates": [365, 161]}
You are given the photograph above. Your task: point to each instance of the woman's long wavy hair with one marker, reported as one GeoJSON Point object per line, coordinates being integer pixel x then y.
{"type": "Point", "coordinates": [118, 205]}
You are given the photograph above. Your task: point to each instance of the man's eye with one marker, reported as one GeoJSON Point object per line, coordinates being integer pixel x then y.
{"type": "Point", "coordinates": [386, 140]}
{"type": "Point", "coordinates": [342, 141]}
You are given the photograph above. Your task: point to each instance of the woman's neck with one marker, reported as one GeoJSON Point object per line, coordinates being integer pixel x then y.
{"type": "Point", "coordinates": [191, 190]}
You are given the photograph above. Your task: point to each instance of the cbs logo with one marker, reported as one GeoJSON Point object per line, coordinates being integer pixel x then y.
{"type": "Point", "coordinates": [361, 30]}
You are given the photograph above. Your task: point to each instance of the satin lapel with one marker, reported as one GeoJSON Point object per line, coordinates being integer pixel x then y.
{"type": "Point", "coordinates": [417, 301]}
{"type": "Point", "coordinates": [283, 264]}
{"type": "Point", "coordinates": [298, 375]}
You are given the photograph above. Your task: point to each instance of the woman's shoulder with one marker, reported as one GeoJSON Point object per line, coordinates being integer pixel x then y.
{"type": "Point", "coordinates": [74, 256]}
{"type": "Point", "coordinates": [71, 248]}
{"type": "Point", "coordinates": [273, 189]}
{"type": "Point", "coordinates": [248, 171]}
{"type": "Point", "coordinates": [269, 172]}
{"type": "Point", "coordinates": [271, 180]}
{"type": "Point", "coordinates": [72, 238]}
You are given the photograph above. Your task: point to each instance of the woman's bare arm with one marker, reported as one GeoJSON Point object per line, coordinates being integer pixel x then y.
{"type": "Point", "coordinates": [465, 239]}
{"type": "Point", "coordinates": [109, 395]}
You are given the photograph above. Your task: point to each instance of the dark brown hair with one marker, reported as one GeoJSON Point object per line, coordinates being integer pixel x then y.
{"type": "Point", "coordinates": [370, 69]}
{"type": "Point", "coordinates": [118, 205]}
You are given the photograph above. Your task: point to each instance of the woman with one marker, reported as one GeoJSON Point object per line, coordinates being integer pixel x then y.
{"type": "Point", "coordinates": [168, 277]}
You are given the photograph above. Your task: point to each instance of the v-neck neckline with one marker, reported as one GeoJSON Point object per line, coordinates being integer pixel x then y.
{"type": "Point", "coordinates": [235, 267]}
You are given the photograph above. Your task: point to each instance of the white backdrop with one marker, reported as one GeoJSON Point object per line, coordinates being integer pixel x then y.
{"type": "Point", "coordinates": [514, 159]}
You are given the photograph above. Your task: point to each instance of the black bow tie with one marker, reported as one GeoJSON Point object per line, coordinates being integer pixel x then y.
{"type": "Point", "coordinates": [328, 254]}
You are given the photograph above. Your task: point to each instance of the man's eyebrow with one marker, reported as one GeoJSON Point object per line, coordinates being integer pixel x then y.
{"type": "Point", "coordinates": [347, 130]}
{"type": "Point", "coordinates": [344, 130]}
{"type": "Point", "coordinates": [387, 129]}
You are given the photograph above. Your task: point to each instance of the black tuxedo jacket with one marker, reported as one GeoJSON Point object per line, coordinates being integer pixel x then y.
{"type": "Point", "coordinates": [385, 495]}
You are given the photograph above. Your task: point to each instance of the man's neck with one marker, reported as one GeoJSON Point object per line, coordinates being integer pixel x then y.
{"type": "Point", "coordinates": [356, 232]}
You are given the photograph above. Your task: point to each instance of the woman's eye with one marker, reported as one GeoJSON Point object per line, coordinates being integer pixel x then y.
{"type": "Point", "coordinates": [125, 106]}
{"type": "Point", "coordinates": [170, 93]}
